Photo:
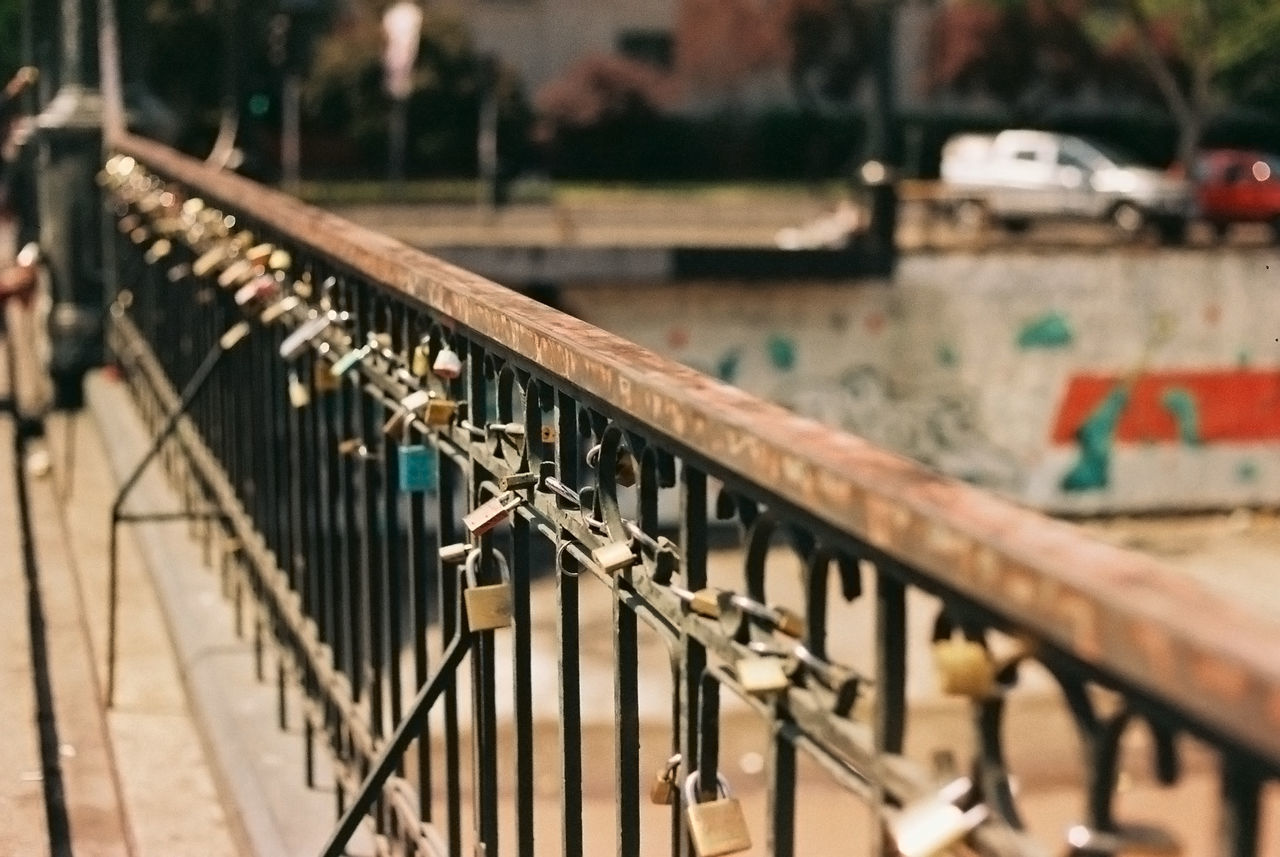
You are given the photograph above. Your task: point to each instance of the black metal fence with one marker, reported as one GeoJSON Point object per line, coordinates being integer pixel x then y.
{"type": "Point", "coordinates": [398, 451]}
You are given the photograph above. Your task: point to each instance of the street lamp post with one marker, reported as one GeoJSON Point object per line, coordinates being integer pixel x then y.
{"type": "Point", "coordinates": [69, 141]}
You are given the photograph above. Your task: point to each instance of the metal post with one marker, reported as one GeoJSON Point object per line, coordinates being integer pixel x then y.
{"type": "Point", "coordinates": [69, 153]}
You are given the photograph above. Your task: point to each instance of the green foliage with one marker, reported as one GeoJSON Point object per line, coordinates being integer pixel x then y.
{"type": "Point", "coordinates": [10, 38]}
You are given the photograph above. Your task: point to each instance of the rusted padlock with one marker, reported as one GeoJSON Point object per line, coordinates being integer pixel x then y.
{"type": "Point", "coordinates": [664, 790]}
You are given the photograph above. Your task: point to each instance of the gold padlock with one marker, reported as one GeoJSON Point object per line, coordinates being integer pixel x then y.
{"type": "Point", "coordinates": [488, 607]}
{"type": "Point", "coordinates": [614, 556]}
{"type": "Point", "coordinates": [761, 675]}
{"type": "Point", "coordinates": [663, 791]}
{"type": "Point", "coordinates": [420, 365]}
{"type": "Point", "coordinates": [965, 667]}
{"type": "Point", "coordinates": [718, 826]}
{"type": "Point", "coordinates": [440, 412]}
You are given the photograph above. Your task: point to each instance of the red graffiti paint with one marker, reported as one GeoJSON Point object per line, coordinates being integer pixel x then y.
{"type": "Point", "coordinates": [677, 337]}
{"type": "Point", "coordinates": [1232, 405]}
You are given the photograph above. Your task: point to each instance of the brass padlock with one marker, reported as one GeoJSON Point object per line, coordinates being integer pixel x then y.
{"type": "Point", "coordinates": [285, 305]}
{"type": "Point", "coordinates": [488, 607]}
{"type": "Point", "coordinates": [965, 667]}
{"type": "Point", "coordinates": [236, 274]}
{"type": "Point", "coordinates": [490, 513]}
{"type": "Point", "coordinates": [420, 365]}
{"type": "Point", "coordinates": [614, 556]}
{"type": "Point", "coordinates": [935, 823]}
{"type": "Point", "coordinates": [663, 790]}
{"type": "Point", "coordinates": [624, 471]}
{"type": "Point", "coordinates": [762, 675]}
{"type": "Point", "coordinates": [299, 396]}
{"type": "Point", "coordinates": [209, 260]}
{"type": "Point", "coordinates": [1129, 840]}
{"type": "Point", "coordinates": [717, 826]}
{"type": "Point", "coordinates": [440, 412]}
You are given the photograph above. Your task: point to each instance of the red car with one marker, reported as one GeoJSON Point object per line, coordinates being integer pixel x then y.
{"type": "Point", "coordinates": [1238, 186]}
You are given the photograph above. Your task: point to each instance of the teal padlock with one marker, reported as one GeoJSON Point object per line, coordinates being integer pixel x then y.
{"type": "Point", "coordinates": [417, 468]}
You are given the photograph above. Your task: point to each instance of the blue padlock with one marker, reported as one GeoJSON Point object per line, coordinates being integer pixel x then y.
{"type": "Point", "coordinates": [417, 466]}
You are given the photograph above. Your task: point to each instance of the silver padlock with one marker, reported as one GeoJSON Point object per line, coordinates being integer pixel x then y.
{"type": "Point", "coordinates": [405, 412]}
{"type": "Point", "coordinates": [490, 606]}
{"type": "Point", "coordinates": [300, 338]}
{"type": "Point", "coordinates": [762, 675]}
{"type": "Point", "coordinates": [935, 823]}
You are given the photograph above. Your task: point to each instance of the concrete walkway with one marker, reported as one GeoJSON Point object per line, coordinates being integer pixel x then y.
{"type": "Point", "coordinates": [132, 781]}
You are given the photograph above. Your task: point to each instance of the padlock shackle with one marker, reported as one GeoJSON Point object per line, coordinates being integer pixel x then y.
{"type": "Point", "coordinates": [471, 566]}
{"type": "Point", "coordinates": [693, 781]}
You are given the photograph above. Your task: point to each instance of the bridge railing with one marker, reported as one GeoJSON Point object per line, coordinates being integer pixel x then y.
{"type": "Point", "coordinates": [399, 450]}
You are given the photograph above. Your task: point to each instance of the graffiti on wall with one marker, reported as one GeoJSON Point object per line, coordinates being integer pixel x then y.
{"type": "Point", "coordinates": [1191, 408]}
{"type": "Point", "coordinates": [939, 429]}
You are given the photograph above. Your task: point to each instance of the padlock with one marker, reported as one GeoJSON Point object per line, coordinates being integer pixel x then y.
{"type": "Point", "coordinates": [157, 251]}
{"type": "Point", "coordinates": [614, 556]}
{"type": "Point", "coordinates": [404, 412]}
{"type": "Point", "coordinates": [1130, 840]}
{"type": "Point", "coordinates": [717, 826]}
{"type": "Point", "coordinates": [417, 469]}
{"type": "Point", "coordinates": [488, 607]}
{"type": "Point", "coordinates": [128, 223]}
{"type": "Point", "coordinates": [140, 234]}
{"type": "Point", "coordinates": [448, 364]}
{"type": "Point", "coordinates": [455, 553]}
{"type": "Point", "coordinates": [490, 513]}
{"type": "Point", "coordinates": [323, 380]}
{"type": "Point", "coordinates": [935, 823]}
{"type": "Point", "coordinates": [420, 365]}
{"type": "Point", "coordinates": [209, 260]}
{"type": "Point", "coordinates": [236, 273]}
{"type": "Point", "coordinates": [299, 396]}
{"type": "Point", "coordinates": [300, 338]}
{"type": "Point", "coordinates": [762, 675]}
{"type": "Point", "coordinates": [279, 260]}
{"type": "Point", "coordinates": [254, 291]}
{"type": "Point", "coordinates": [964, 667]}
{"type": "Point", "coordinates": [259, 254]}
{"type": "Point", "coordinates": [517, 481]}
{"type": "Point", "coordinates": [705, 602]}
{"type": "Point", "coordinates": [663, 790]}
{"type": "Point", "coordinates": [348, 361]}
{"type": "Point", "coordinates": [440, 412]}
{"type": "Point", "coordinates": [274, 312]}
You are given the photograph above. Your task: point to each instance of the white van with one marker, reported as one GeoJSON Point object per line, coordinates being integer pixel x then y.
{"type": "Point", "coordinates": [1018, 176]}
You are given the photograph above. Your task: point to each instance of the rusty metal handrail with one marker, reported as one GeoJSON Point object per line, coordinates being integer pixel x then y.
{"type": "Point", "coordinates": [1127, 615]}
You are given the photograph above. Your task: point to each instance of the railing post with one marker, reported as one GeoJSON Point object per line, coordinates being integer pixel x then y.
{"type": "Point", "coordinates": [69, 153]}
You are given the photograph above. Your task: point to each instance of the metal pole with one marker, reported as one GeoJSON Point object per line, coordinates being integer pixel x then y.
{"type": "Point", "coordinates": [69, 133]}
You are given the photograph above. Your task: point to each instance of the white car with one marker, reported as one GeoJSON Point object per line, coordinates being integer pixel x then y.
{"type": "Point", "coordinates": [1018, 176]}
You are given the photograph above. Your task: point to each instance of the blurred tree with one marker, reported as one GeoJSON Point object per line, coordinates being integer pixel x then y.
{"type": "Point", "coordinates": [344, 94]}
{"type": "Point", "coordinates": [10, 37]}
{"type": "Point", "coordinates": [1191, 48]}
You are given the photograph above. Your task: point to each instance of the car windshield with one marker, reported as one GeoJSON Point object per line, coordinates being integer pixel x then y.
{"type": "Point", "coordinates": [1099, 154]}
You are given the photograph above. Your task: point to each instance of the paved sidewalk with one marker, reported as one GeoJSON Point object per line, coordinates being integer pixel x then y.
{"type": "Point", "coordinates": [134, 779]}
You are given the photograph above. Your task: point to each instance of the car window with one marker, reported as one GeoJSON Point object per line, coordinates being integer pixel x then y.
{"type": "Point", "coordinates": [1024, 155]}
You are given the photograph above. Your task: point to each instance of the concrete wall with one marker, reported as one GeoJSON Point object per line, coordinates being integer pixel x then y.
{"type": "Point", "coordinates": [1085, 383]}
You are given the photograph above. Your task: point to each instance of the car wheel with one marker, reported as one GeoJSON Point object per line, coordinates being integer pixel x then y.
{"type": "Point", "coordinates": [1129, 219]}
{"type": "Point", "coordinates": [1173, 231]}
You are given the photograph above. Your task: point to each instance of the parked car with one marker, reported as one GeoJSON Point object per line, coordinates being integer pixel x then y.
{"type": "Point", "coordinates": [1018, 176]}
{"type": "Point", "coordinates": [1238, 186]}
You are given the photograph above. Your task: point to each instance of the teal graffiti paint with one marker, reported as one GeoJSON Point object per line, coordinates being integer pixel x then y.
{"type": "Point", "coordinates": [1048, 331]}
{"type": "Point", "coordinates": [1092, 471]}
{"type": "Point", "coordinates": [946, 355]}
{"type": "Point", "coordinates": [727, 366]}
{"type": "Point", "coordinates": [1186, 414]}
{"type": "Point", "coordinates": [782, 353]}
{"type": "Point", "coordinates": [1247, 471]}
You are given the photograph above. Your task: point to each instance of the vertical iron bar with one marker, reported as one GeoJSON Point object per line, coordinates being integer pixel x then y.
{"type": "Point", "coordinates": [1241, 807]}
{"type": "Point", "coordinates": [522, 683]}
{"type": "Point", "coordinates": [568, 459]}
{"type": "Point", "coordinates": [450, 530]}
{"type": "Point", "coordinates": [782, 789]}
{"type": "Point", "coordinates": [693, 547]}
{"type": "Point", "coordinates": [626, 658]}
